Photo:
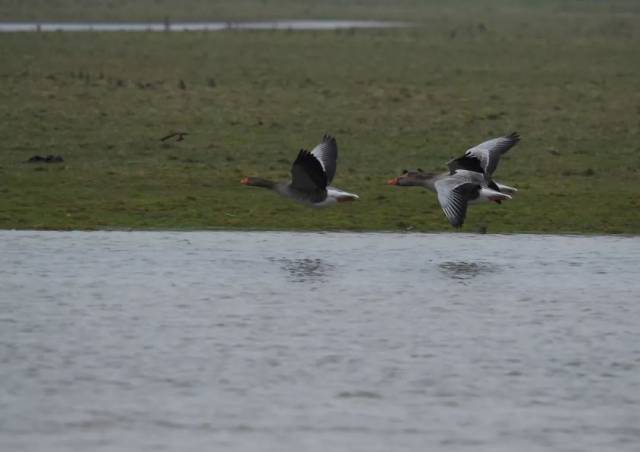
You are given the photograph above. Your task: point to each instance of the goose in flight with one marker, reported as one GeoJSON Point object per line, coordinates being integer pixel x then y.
{"type": "Point", "coordinates": [311, 174]}
{"type": "Point", "coordinates": [455, 190]}
{"type": "Point", "coordinates": [484, 159]}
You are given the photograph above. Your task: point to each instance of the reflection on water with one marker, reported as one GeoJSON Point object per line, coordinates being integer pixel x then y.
{"type": "Point", "coordinates": [466, 270]}
{"type": "Point", "coordinates": [305, 269]}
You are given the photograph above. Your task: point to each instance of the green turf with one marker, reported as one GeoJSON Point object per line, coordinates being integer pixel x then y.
{"type": "Point", "coordinates": [564, 75]}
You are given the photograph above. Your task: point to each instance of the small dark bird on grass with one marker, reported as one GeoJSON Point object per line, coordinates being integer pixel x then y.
{"type": "Point", "coordinates": [180, 136]}
{"type": "Point", "coordinates": [47, 159]}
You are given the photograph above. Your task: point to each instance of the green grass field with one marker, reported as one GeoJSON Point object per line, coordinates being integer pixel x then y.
{"type": "Point", "coordinates": [563, 74]}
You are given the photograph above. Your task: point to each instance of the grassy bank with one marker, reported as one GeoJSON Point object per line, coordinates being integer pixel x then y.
{"type": "Point", "coordinates": [566, 79]}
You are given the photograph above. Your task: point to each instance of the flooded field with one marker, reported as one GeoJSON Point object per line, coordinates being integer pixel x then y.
{"type": "Point", "coordinates": [263, 341]}
{"type": "Point", "coordinates": [198, 26]}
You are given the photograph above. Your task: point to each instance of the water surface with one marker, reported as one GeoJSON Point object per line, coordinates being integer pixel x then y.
{"type": "Point", "coordinates": [197, 26]}
{"type": "Point", "coordinates": [243, 341]}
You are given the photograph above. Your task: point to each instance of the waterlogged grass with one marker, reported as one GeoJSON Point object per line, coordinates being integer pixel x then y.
{"type": "Point", "coordinates": [568, 82]}
{"type": "Point", "coordinates": [435, 11]}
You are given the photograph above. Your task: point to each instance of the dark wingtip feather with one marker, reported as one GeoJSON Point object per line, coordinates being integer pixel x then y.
{"type": "Point", "coordinates": [465, 163]}
{"type": "Point", "coordinates": [312, 166]}
{"type": "Point", "coordinates": [493, 186]}
{"type": "Point", "coordinates": [327, 137]}
{"type": "Point", "coordinates": [515, 136]}
{"type": "Point", "coordinates": [457, 223]}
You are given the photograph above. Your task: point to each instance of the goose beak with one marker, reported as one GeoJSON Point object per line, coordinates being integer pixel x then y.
{"type": "Point", "coordinates": [393, 181]}
{"type": "Point", "coordinates": [245, 181]}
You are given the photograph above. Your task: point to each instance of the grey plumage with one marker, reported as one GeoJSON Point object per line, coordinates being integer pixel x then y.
{"type": "Point", "coordinates": [327, 153]}
{"type": "Point", "coordinates": [455, 191]}
{"type": "Point", "coordinates": [485, 156]}
{"type": "Point", "coordinates": [311, 173]}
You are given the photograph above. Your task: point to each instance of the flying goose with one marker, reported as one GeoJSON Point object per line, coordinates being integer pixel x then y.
{"type": "Point", "coordinates": [484, 158]}
{"type": "Point", "coordinates": [455, 190]}
{"type": "Point", "coordinates": [311, 174]}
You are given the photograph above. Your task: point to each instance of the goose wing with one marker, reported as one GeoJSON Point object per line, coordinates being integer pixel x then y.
{"type": "Point", "coordinates": [488, 153]}
{"type": "Point", "coordinates": [307, 173]}
{"type": "Point", "coordinates": [465, 163]}
{"type": "Point", "coordinates": [327, 153]}
{"type": "Point", "coordinates": [454, 195]}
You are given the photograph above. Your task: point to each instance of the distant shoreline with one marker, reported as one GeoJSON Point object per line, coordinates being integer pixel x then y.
{"type": "Point", "coordinates": [19, 27]}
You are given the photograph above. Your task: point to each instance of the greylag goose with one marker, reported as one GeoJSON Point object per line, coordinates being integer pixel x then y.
{"type": "Point", "coordinates": [311, 174]}
{"type": "Point", "coordinates": [455, 191]}
{"type": "Point", "coordinates": [484, 158]}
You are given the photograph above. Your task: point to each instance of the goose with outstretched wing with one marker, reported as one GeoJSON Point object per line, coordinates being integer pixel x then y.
{"type": "Point", "coordinates": [311, 174]}
{"type": "Point", "coordinates": [455, 191]}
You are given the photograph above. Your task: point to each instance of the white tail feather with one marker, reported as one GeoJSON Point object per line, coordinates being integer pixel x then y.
{"type": "Point", "coordinates": [489, 195]}
{"type": "Point", "coordinates": [505, 188]}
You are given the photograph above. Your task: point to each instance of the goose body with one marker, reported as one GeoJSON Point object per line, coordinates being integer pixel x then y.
{"type": "Point", "coordinates": [311, 174]}
{"type": "Point", "coordinates": [484, 158]}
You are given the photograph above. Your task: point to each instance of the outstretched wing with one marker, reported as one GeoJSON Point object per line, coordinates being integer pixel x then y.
{"type": "Point", "coordinates": [327, 153]}
{"type": "Point", "coordinates": [468, 163]}
{"type": "Point", "coordinates": [489, 152]}
{"type": "Point", "coordinates": [307, 173]}
{"type": "Point", "coordinates": [454, 197]}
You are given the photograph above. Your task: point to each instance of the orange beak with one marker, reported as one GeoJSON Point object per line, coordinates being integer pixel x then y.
{"type": "Point", "coordinates": [245, 181]}
{"type": "Point", "coordinates": [393, 181]}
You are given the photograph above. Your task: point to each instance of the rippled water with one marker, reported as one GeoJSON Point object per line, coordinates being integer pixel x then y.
{"type": "Point", "coordinates": [198, 26]}
{"type": "Point", "coordinates": [243, 341]}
